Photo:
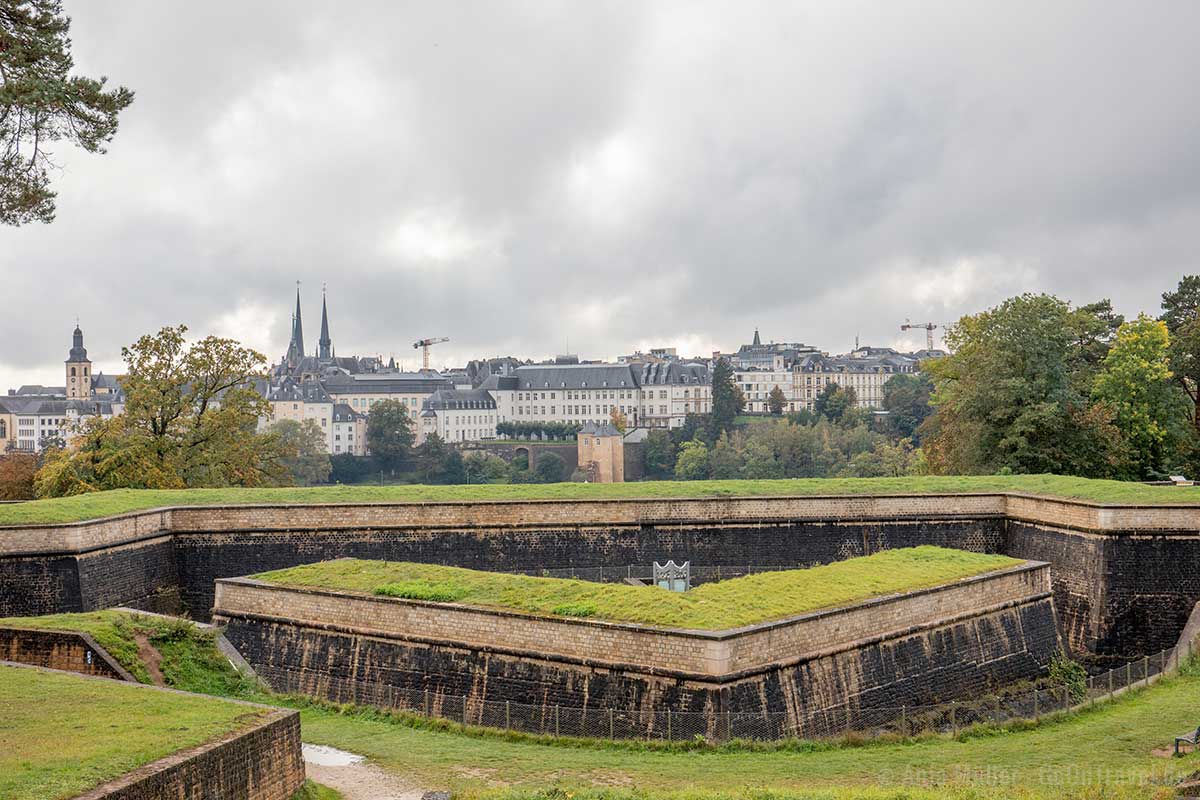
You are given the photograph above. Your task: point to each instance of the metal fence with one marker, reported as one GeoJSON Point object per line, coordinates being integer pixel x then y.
{"type": "Point", "coordinates": [645, 572]}
{"type": "Point", "coordinates": [665, 725]}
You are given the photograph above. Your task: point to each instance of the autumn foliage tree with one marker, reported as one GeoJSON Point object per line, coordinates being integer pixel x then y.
{"type": "Point", "coordinates": [16, 476]}
{"type": "Point", "coordinates": [191, 420]}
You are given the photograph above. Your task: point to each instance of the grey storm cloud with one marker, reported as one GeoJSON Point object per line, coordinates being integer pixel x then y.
{"type": "Point", "coordinates": [524, 177]}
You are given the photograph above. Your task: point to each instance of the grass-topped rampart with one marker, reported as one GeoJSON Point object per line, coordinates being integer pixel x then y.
{"type": "Point", "coordinates": [63, 734]}
{"type": "Point", "coordinates": [122, 501]}
{"type": "Point", "coordinates": [711, 606]}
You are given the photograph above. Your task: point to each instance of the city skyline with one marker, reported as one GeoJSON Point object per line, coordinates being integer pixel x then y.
{"type": "Point", "coordinates": [641, 176]}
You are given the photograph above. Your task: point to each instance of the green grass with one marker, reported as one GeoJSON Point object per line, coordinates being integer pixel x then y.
{"type": "Point", "coordinates": [190, 660]}
{"type": "Point", "coordinates": [315, 791]}
{"type": "Point", "coordinates": [119, 501]}
{"type": "Point", "coordinates": [1104, 754]}
{"type": "Point", "coordinates": [60, 735]}
{"type": "Point", "coordinates": [711, 606]}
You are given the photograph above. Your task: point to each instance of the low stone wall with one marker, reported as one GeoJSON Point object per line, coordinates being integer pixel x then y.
{"type": "Point", "coordinates": [69, 651]}
{"type": "Point", "coordinates": [969, 636]}
{"type": "Point", "coordinates": [262, 763]}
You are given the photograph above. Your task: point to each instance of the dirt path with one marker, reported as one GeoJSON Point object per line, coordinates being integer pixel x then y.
{"type": "Point", "coordinates": [363, 781]}
{"type": "Point", "coordinates": [151, 658]}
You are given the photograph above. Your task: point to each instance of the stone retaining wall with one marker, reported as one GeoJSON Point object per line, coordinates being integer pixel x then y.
{"type": "Point", "coordinates": [1120, 572]}
{"type": "Point", "coordinates": [262, 763]}
{"type": "Point", "coordinates": [69, 651]}
{"type": "Point", "coordinates": [944, 643]}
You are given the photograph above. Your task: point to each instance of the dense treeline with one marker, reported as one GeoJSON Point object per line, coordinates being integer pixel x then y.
{"type": "Point", "coordinates": [1034, 385]}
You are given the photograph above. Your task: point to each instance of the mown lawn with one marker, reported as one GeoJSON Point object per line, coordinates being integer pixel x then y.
{"type": "Point", "coordinates": [712, 606]}
{"type": "Point", "coordinates": [60, 735]}
{"type": "Point", "coordinates": [1105, 754]}
{"type": "Point", "coordinates": [103, 504]}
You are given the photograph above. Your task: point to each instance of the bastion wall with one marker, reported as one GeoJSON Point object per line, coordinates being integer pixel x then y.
{"type": "Point", "coordinates": [933, 645]}
{"type": "Point", "coordinates": [1121, 574]}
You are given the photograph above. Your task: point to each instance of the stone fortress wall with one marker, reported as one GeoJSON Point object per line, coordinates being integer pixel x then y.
{"type": "Point", "coordinates": [1123, 576]}
{"type": "Point", "coordinates": [950, 642]}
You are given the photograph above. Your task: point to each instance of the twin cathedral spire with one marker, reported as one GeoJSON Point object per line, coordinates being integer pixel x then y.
{"type": "Point", "coordinates": [324, 345]}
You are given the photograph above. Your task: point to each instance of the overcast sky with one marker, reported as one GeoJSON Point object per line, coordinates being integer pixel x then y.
{"type": "Point", "coordinates": [529, 177]}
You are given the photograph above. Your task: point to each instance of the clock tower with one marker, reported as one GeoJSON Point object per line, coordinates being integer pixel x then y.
{"type": "Point", "coordinates": [79, 369]}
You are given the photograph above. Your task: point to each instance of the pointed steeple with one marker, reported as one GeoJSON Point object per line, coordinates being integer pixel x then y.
{"type": "Point", "coordinates": [757, 341]}
{"type": "Point", "coordinates": [325, 342]}
{"type": "Point", "coordinates": [296, 346]}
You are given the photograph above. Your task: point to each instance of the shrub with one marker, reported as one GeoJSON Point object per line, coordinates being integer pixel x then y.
{"type": "Point", "coordinates": [441, 592]}
{"type": "Point", "coordinates": [575, 610]}
{"type": "Point", "coordinates": [1069, 674]}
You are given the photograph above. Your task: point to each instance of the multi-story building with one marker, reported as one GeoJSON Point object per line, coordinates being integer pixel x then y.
{"type": "Point", "coordinates": [302, 400]}
{"type": "Point", "coordinates": [349, 431]}
{"type": "Point", "coordinates": [364, 390]}
{"type": "Point", "coordinates": [865, 370]}
{"type": "Point", "coordinates": [458, 415]}
{"type": "Point", "coordinates": [648, 395]}
{"type": "Point", "coordinates": [30, 423]}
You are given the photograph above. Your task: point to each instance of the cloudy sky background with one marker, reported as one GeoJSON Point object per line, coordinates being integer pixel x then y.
{"type": "Point", "coordinates": [526, 177]}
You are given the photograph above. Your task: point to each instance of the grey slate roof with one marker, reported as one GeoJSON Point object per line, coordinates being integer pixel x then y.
{"type": "Point", "coordinates": [387, 383]}
{"type": "Point", "coordinates": [344, 413]}
{"type": "Point", "coordinates": [673, 372]}
{"type": "Point", "coordinates": [577, 376]}
{"type": "Point", "coordinates": [310, 391]}
{"type": "Point", "coordinates": [459, 399]}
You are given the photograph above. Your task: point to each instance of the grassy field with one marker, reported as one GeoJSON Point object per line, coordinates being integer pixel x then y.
{"type": "Point", "coordinates": [1104, 754]}
{"type": "Point", "coordinates": [60, 735]}
{"type": "Point", "coordinates": [102, 504]}
{"type": "Point", "coordinates": [712, 606]}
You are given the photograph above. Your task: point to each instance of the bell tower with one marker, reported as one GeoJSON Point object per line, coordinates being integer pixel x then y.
{"type": "Point", "coordinates": [79, 369]}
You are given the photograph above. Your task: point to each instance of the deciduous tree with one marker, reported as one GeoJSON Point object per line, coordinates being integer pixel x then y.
{"type": "Point", "coordinates": [906, 399]}
{"type": "Point", "coordinates": [1135, 383]}
{"type": "Point", "coordinates": [776, 401]}
{"type": "Point", "coordinates": [16, 476]}
{"type": "Point", "coordinates": [692, 462]}
{"type": "Point", "coordinates": [389, 433]}
{"type": "Point", "coordinates": [303, 449]}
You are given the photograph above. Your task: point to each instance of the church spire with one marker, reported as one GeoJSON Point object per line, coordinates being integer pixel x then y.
{"type": "Point", "coordinates": [757, 341]}
{"type": "Point", "coordinates": [296, 346]}
{"type": "Point", "coordinates": [325, 343]}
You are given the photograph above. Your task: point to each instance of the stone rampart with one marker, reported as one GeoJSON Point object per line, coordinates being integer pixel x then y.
{"type": "Point", "coordinates": [1120, 572]}
{"type": "Point", "coordinates": [262, 763]}
{"type": "Point", "coordinates": [969, 636]}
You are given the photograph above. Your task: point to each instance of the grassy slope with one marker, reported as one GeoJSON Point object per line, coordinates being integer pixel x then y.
{"type": "Point", "coordinates": [190, 660]}
{"type": "Point", "coordinates": [101, 504]}
{"type": "Point", "coordinates": [1109, 747]}
{"type": "Point", "coordinates": [61, 735]}
{"type": "Point", "coordinates": [728, 604]}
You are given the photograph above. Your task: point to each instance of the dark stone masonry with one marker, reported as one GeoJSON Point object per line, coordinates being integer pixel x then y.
{"type": "Point", "coordinates": [1124, 576]}
{"type": "Point", "coordinates": [955, 642]}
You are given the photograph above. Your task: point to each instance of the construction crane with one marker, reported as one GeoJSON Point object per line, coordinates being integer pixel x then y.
{"type": "Point", "coordinates": [424, 345]}
{"type": "Point", "coordinates": [928, 326]}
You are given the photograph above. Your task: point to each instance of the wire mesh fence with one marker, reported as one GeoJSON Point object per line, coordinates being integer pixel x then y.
{"type": "Point", "coordinates": [837, 721]}
{"type": "Point", "coordinates": [645, 572]}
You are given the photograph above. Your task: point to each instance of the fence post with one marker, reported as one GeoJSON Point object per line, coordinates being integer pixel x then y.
{"type": "Point", "coordinates": [1110, 683]}
{"type": "Point", "coordinates": [668, 724]}
{"type": "Point", "coordinates": [464, 709]}
{"type": "Point", "coordinates": [953, 718]}
{"type": "Point", "coordinates": [507, 718]}
{"type": "Point", "coordinates": [1146, 669]}
{"type": "Point", "coordinates": [1036, 715]}
{"type": "Point", "coordinates": [848, 723]}
{"type": "Point", "coordinates": [611, 731]}
{"type": "Point", "coordinates": [904, 720]}
{"type": "Point", "coordinates": [728, 725]}
{"type": "Point", "coordinates": [428, 709]}
{"type": "Point", "coordinates": [556, 719]}
{"type": "Point", "coordinates": [1129, 673]}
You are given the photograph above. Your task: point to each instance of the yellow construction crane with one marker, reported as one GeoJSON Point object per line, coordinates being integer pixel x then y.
{"type": "Point", "coordinates": [424, 345]}
{"type": "Point", "coordinates": [929, 329]}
